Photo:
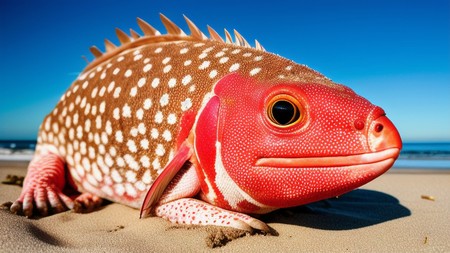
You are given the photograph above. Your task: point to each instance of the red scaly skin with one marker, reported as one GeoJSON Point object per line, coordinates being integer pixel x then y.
{"type": "Point", "coordinates": [327, 129]}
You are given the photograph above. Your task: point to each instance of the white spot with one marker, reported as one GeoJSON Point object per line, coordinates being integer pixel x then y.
{"type": "Point", "coordinates": [236, 51]}
{"type": "Point", "coordinates": [234, 67]}
{"type": "Point", "coordinates": [254, 71]}
{"type": "Point", "coordinates": [147, 67]}
{"type": "Point", "coordinates": [192, 88]}
{"type": "Point", "coordinates": [102, 91]}
{"type": "Point", "coordinates": [117, 92]}
{"type": "Point", "coordinates": [144, 143]}
{"type": "Point", "coordinates": [204, 65]}
{"type": "Point", "coordinates": [131, 191]}
{"type": "Point", "coordinates": [136, 52]}
{"type": "Point", "coordinates": [120, 58]}
{"type": "Point", "coordinates": [146, 60]}
{"type": "Point", "coordinates": [116, 71]}
{"type": "Point", "coordinates": [111, 86]}
{"type": "Point", "coordinates": [116, 113]}
{"type": "Point", "coordinates": [160, 151]}
{"type": "Point", "coordinates": [119, 136]}
{"type": "Point", "coordinates": [145, 161]}
{"type": "Point", "coordinates": [131, 146]}
{"type": "Point", "coordinates": [131, 176]}
{"type": "Point", "coordinates": [154, 133]}
{"type": "Point", "coordinates": [128, 73]}
{"type": "Point", "coordinates": [202, 55]}
{"type": "Point", "coordinates": [223, 60]}
{"type": "Point", "coordinates": [171, 119]}
{"type": "Point", "coordinates": [172, 82]}
{"type": "Point", "coordinates": [288, 68]}
{"type": "Point", "coordinates": [147, 178]}
{"type": "Point", "coordinates": [158, 50]}
{"type": "Point", "coordinates": [186, 104]}
{"type": "Point", "coordinates": [213, 74]}
{"type": "Point", "coordinates": [141, 82]}
{"type": "Point", "coordinates": [83, 103]}
{"type": "Point", "coordinates": [103, 75]}
{"type": "Point", "coordinates": [98, 122]}
{"type": "Point", "coordinates": [87, 125]}
{"type": "Point", "coordinates": [167, 135]}
{"type": "Point", "coordinates": [141, 128]}
{"type": "Point", "coordinates": [133, 91]}
{"type": "Point", "coordinates": [147, 104]}
{"type": "Point", "coordinates": [167, 68]}
{"type": "Point", "coordinates": [92, 75]}
{"type": "Point", "coordinates": [104, 138]}
{"type": "Point", "coordinates": [134, 132]}
{"type": "Point", "coordinates": [159, 117]}
{"type": "Point", "coordinates": [247, 54]}
{"type": "Point", "coordinates": [166, 60]}
{"type": "Point", "coordinates": [126, 111]}
{"type": "Point", "coordinates": [164, 100]}
{"type": "Point", "coordinates": [155, 82]}
{"type": "Point", "coordinates": [140, 114]}
{"type": "Point", "coordinates": [187, 63]}
{"type": "Point", "coordinates": [85, 85]}
{"type": "Point", "coordinates": [102, 107]}
{"type": "Point", "coordinates": [120, 162]}
{"type": "Point", "coordinates": [199, 44]}
{"type": "Point", "coordinates": [116, 176]}
{"type": "Point", "coordinates": [258, 58]}
{"type": "Point", "coordinates": [209, 49]}
{"type": "Point", "coordinates": [119, 189]}
{"type": "Point", "coordinates": [220, 54]}
{"type": "Point", "coordinates": [137, 57]}
{"type": "Point", "coordinates": [108, 127]}
{"type": "Point", "coordinates": [131, 162]}
{"type": "Point", "coordinates": [184, 50]}
{"type": "Point", "coordinates": [186, 80]}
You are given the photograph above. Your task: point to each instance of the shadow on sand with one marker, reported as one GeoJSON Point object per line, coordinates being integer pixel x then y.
{"type": "Point", "coordinates": [356, 209]}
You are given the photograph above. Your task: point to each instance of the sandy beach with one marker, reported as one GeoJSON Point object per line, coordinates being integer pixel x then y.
{"type": "Point", "coordinates": [401, 211]}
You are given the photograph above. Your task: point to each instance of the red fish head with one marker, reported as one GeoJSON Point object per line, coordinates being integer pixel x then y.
{"type": "Point", "coordinates": [282, 144]}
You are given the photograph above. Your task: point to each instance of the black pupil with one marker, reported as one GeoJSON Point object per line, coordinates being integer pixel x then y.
{"type": "Point", "coordinates": [285, 112]}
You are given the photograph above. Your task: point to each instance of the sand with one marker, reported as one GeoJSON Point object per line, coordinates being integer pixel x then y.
{"type": "Point", "coordinates": [393, 213]}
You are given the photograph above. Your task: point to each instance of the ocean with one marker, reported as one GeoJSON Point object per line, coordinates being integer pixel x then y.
{"type": "Point", "coordinates": [428, 155]}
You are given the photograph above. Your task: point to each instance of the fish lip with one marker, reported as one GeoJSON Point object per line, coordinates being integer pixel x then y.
{"type": "Point", "coordinates": [331, 161]}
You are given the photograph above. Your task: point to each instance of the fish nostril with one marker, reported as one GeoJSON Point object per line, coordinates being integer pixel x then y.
{"type": "Point", "coordinates": [359, 124]}
{"type": "Point", "coordinates": [378, 127]}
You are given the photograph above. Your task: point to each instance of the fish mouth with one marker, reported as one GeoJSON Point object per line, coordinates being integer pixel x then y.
{"type": "Point", "coordinates": [332, 161]}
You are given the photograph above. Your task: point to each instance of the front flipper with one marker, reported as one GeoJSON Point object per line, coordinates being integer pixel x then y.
{"type": "Point", "coordinates": [43, 187]}
{"type": "Point", "coordinates": [196, 212]}
{"type": "Point", "coordinates": [157, 189]}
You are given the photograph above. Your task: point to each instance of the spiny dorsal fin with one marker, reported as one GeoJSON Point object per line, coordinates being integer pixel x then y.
{"type": "Point", "coordinates": [175, 32]}
{"type": "Point", "coordinates": [147, 28]}
{"type": "Point", "coordinates": [134, 34]}
{"type": "Point", "coordinates": [123, 37]}
{"type": "Point", "coordinates": [240, 40]}
{"type": "Point", "coordinates": [195, 32]}
{"type": "Point", "coordinates": [95, 51]}
{"type": "Point", "coordinates": [109, 46]}
{"type": "Point", "coordinates": [228, 38]}
{"type": "Point", "coordinates": [171, 27]}
{"type": "Point", "coordinates": [214, 35]}
{"type": "Point", "coordinates": [259, 46]}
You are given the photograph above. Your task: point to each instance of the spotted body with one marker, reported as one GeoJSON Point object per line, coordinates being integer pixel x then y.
{"type": "Point", "coordinates": [164, 118]}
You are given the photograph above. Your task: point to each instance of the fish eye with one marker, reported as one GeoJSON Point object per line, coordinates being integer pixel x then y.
{"type": "Point", "coordinates": [284, 111]}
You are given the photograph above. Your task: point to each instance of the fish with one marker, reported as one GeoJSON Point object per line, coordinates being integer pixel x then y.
{"type": "Point", "coordinates": [203, 130]}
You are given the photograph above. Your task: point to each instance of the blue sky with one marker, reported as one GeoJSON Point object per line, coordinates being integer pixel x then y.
{"type": "Point", "coordinates": [395, 53]}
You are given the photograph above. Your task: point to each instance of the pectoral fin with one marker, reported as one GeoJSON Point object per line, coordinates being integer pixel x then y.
{"type": "Point", "coordinates": [155, 192]}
